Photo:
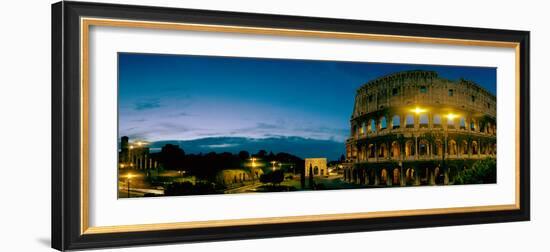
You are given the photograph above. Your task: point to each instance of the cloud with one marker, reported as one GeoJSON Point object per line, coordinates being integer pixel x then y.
{"type": "Point", "coordinates": [223, 145]}
{"type": "Point", "coordinates": [145, 105]}
{"type": "Point", "coordinates": [268, 126]}
{"type": "Point", "coordinates": [183, 114]}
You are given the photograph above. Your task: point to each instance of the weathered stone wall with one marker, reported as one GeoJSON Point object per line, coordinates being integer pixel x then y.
{"type": "Point", "coordinates": [318, 165]}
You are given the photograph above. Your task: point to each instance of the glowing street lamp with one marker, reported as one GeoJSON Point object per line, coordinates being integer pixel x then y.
{"type": "Point", "coordinates": [418, 110]}
{"type": "Point", "coordinates": [253, 164]}
{"type": "Point", "coordinates": [181, 173]}
{"type": "Point", "coordinates": [273, 164]}
{"type": "Point", "coordinates": [129, 176]}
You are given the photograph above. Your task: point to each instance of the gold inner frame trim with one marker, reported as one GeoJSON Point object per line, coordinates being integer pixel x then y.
{"type": "Point", "coordinates": [86, 23]}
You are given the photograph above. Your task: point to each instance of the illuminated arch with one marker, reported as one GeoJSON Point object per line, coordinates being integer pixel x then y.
{"type": "Point", "coordinates": [452, 147]}
{"type": "Point", "coordinates": [409, 148]}
{"type": "Point", "coordinates": [395, 149]}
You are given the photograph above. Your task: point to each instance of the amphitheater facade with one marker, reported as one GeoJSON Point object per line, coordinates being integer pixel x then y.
{"type": "Point", "coordinates": [416, 128]}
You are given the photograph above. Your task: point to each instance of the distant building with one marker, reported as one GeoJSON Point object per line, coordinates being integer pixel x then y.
{"type": "Point", "coordinates": [135, 155]}
{"type": "Point", "coordinates": [318, 166]}
{"type": "Point", "coordinates": [235, 176]}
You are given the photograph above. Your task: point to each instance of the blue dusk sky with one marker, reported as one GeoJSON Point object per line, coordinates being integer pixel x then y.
{"type": "Point", "coordinates": [185, 97]}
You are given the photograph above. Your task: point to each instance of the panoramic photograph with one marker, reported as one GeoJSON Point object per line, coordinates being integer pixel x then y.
{"type": "Point", "coordinates": [198, 125]}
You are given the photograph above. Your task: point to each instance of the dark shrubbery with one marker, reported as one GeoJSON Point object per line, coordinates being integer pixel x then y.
{"type": "Point", "coordinates": [274, 177]}
{"type": "Point", "coordinates": [482, 172]}
{"type": "Point", "coordinates": [187, 188]}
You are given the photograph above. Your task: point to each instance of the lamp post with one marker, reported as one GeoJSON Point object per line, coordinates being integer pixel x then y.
{"type": "Point", "coordinates": [254, 173]}
{"type": "Point", "coordinates": [128, 177]}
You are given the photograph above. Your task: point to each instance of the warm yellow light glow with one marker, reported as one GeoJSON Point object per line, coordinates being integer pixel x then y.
{"type": "Point", "coordinates": [418, 110]}
{"type": "Point", "coordinates": [129, 176]}
{"type": "Point", "coordinates": [451, 116]}
{"type": "Point", "coordinates": [253, 164]}
{"type": "Point", "coordinates": [273, 164]}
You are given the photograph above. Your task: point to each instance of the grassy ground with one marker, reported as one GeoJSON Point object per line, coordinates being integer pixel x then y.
{"type": "Point", "coordinates": [329, 183]}
{"type": "Point", "coordinates": [139, 180]}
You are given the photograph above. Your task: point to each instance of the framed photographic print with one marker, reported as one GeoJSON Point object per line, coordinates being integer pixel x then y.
{"type": "Point", "coordinates": [179, 125]}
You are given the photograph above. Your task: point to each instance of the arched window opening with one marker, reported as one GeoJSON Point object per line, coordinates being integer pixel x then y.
{"type": "Point", "coordinates": [438, 151]}
{"type": "Point", "coordinates": [464, 148]}
{"type": "Point", "coordinates": [372, 125]}
{"type": "Point", "coordinates": [452, 147]}
{"type": "Point", "coordinates": [383, 123]}
{"type": "Point", "coordinates": [371, 151]}
{"type": "Point", "coordinates": [395, 150]}
{"type": "Point", "coordinates": [472, 125]}
{"type": "Point", "coordinates": [437, 121]}
{"type": "Point", "coordinates": [410, 175]}
{"type": "Point", "coordinates": [474, 148]}
{"type": "Point", "coordinates": [382, 151]}
{"type": "Point", "coordinates": [409, 121]}
{"type": "Point", "coordinates": [462, 123]}
{"type": "Point", "coordinates": [409, 149]}
{"type": "Point", "coordinates": [384, 176]}
{"type": "Point", "coordinates": [396, 176]}
{"type": "Point", "coordinates": [482, 127]}
{"type": "Point", "coordinates": [450, 123]}
{"type": "Point", "coordinates": [396, 122]}
{"type": "Point", "coordinates": [423, 121]}
{"type": "Point", "coordinates": [423, 148]}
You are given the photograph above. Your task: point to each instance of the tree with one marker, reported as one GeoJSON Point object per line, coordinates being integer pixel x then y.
{"type": "Point", "coordinates": [303, 177]}
{"type": "Point", "coordinates": [311, 182]}
{"type": "Point", "coordinates": [172, 156]}
{"type": "Point", "coordinates": [244, 155]}
{"type": "Point", "coordinates": [342, 158]}
{"type": "Point", "coordinates": [261, 154]}
{"type": "Point", "coordinates": [274, 177]}
{"type": "Point", "coordinates": [482, 172]}
{"type": "Point", "coordinates": [271, 156]}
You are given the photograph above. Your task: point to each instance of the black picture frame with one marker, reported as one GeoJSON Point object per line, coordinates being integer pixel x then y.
{"type": "Point", "coordinates": [66, 126]}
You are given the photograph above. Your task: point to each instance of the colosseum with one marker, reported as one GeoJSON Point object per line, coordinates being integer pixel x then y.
{"type": "Point", "coordinates": [416, 128]}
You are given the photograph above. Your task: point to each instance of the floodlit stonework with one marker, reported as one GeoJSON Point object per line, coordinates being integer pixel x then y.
{"type": "Point", "coordinates": [414, 128]}
{"type": "Point", "coordinates": [318, 167]}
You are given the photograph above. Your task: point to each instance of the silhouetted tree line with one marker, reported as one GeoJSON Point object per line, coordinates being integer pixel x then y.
{"type": "Point", "coordinates": [207, 166]}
